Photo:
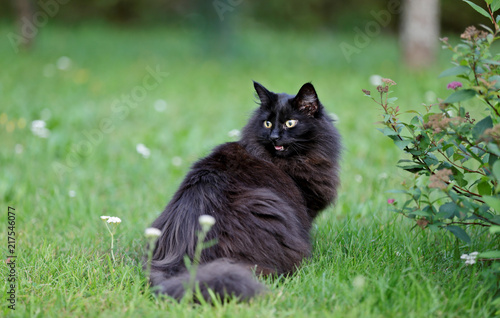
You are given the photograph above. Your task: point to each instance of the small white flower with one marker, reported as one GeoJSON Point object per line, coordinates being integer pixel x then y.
{"type": "Point", "coordinates": [358, 178]}
{"type": "Point", "coordinates": [206, 220]}
{"type": "Point", "coordinates": [383, 175]}
{"type": "Point", "coordinates": [358, 282]}
{"type": "Point", "coordinates": [470, 259]}
{"type": "Point", "coordinates": [114, 219]}
{"type": "Point", "coordinates": [143, 150]}
{"type": "Point", "coordinates": [235, 133]}
{"type": "Point", "coordinates": [152, 232]}
{"type": "Point", "coordinates": [177, 161]}
{"type": "Point", "coordinates": [160, 105]}
{"type": "Point", "coordinates": [18, 148]}
{"type": "Point", "coordinates": [376, 80]}
{"type": "Point", "coordinates": [72, 194]}
{"type": "Point", "coordinates": [104, 217]}
{"type": "Point", "coordinates": [63, 63]}
{"type": "Point", "coordinates": [38, 128]}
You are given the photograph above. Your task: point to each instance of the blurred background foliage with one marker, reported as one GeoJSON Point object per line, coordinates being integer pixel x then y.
{"type": "Point", "coordinates": [326, 14]}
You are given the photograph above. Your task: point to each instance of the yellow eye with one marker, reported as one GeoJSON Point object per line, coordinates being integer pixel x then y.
{"type": "Point", "coordinates": [268, 124]}
{"type": "Point", "coordinates": [291, 123]}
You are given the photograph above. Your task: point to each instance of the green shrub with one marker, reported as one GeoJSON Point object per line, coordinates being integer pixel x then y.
{"type": "Point", "coordinates": [452, 152]}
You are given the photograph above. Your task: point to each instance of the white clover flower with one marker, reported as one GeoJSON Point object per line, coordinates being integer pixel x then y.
{"type": "Point", "coordinates": [63, 63]}
{"type": "Point", "coordinates": [358, 281]}
{"type": "Point", "coordinates": [104, 217]}
{"type": "Point", "coordinates": [38, 128]}
{"type": "Point", "coordinates": [206, 220]}
{"type": "Point", "coordinates": [383, 175]}
{"type": "Point", "coordinates": [143, 150]}
{"type": "Point", "coordinates": [72, 193]}
{"type": "Point", "coordinates": [19, 149]}
{"type": "Point", "coordinates": [152, 232]}
{"type": "Point", "coordinates": [358, 178]}
{"type": "Point", "coordinates": [470, 259]}
{"type": "Point", "coordinates": [160, 105]}
{"type": "Point", "coordinates": [376, 80]}
{"type": "Point", "coordinates": [114, 219]}
{"type": "Point", "coordinates": [235, 133]}
{"type": "Point", "coordinates": [177, 161]}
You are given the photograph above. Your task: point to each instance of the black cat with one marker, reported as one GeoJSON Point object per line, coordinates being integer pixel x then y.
{"type": "Point", "coordinates": [263, 191]}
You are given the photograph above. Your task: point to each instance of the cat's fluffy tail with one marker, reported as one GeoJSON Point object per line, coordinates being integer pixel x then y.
{"type": "Point", "coordinates": [225, 278]}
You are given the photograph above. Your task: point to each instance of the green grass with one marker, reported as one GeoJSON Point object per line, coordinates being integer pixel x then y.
{"type": "Point", "coordinates": [367, 262]}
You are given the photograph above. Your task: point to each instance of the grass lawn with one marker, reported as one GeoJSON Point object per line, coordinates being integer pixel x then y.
{"type": "Point", "coordinates": [103, 90]}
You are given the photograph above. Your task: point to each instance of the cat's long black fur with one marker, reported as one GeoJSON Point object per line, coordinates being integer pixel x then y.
{"type": "Point", "coordinates": [263, 191]}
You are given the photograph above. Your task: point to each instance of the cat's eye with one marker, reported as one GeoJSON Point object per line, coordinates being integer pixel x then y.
{"type": "Point", "coordinates": [268, 124]}
{"type": "Point", "coordinates": [291, 123]}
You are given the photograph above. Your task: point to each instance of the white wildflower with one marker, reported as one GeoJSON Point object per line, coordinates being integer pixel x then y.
{"type": "Point", "coordinates": [18, 148]}
{"type": "Point", "coordinates": [470, 259]}
{"type": "Point", "coordinates": [39, 129]}
{"type": "Point", "coordinates": [358, 282]}
{"type": "Point", "coordinates": [63, 63]}
{"type": "Point", "coordinates": [358, 178]}
{"type": "Point", "coordinates": [143, 150]}
{"type": "Point", "coordinates": [104, 217]}
{"type": "Point", "coordinates": [152, 232]}
{"type": "Point", "coordinates": [383, 175]}
{"type": "Point", "coordinates": [376, 80]}
{"type": "Point", "coordinates": [235, 133]}
{"type": "Point", "coordinates": [206, 220]}
{"type": "Point", "coordinates": [177, 161]}
{"type": "Point", "coordinates": [160, 105]}
{"type": "Point", "coordinates": [72, 194]}
{"type": "Point", "coordinates": [114, 219]}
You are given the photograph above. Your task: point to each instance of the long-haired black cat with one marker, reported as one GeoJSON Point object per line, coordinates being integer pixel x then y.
{"type": "Point", "coordinates": [263, 191]}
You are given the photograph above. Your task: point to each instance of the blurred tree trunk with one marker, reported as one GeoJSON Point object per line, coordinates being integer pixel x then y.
{"type": "Point", "coordinates": [419, 34]}
{"type": "Point", "coordinates": [24, 11]}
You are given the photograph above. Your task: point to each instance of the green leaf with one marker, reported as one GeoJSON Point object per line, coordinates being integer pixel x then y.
{"type": "Point", "coordinates": [402, 143]}
{"type": "Point", "coordinates": [392, 100]}
{"type": "Point", "coordinates": [494, 149]}
{"type": "Point", "coordinates": [495, 5]}
{"type": "Point", "coordinates": [447, 210]}
{"type": "Point", "coordinates": [460, 96]}
{"type": "Point", "coordinates": [490, 62]}
{"type": "Point", "coordinates": [489, 254]}
{"type": "Point", "coordinates": [493, 202]}
{"type": "Point", "coordinates": [459, 233]}
{"type": "Point", "coordinates": [496, 169]}
{"type": "Point", "coordinates": [481, 126]}
{"type": "Point", "coordinates": [494, 229]}
{"type": "Point", "coordinates": [387, 131]}
{"type": "Point", "coordinates": [495, 79]}
{"type": "Point", "coordinates": [457, 70]}
{"type": "Point", "coordinates": [484, 188]}
{"type": "Point", "coordinates": [478, 9]}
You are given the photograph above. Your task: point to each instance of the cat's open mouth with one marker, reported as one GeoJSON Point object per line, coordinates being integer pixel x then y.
{"type": "Point", "coordinates": [279, 148]}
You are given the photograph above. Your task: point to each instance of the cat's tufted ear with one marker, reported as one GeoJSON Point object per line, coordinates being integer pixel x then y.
{"type": "Point", "coordinates": [307, 100]}
{"type": "Point", "coordinates": [265, 96]}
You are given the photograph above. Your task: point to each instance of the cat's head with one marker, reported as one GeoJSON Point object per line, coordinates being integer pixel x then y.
{"type": "Point", "coordinates": [287, 125]}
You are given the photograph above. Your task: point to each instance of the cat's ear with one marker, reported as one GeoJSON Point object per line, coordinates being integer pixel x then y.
{"type": "Point", "coordinates": [307, 100]}
{"type": "Point", "coordinates": [265, 96]}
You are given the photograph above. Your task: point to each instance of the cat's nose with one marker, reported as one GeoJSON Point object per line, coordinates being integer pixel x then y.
{"type": "Point", "coordinates": [274, 135]}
